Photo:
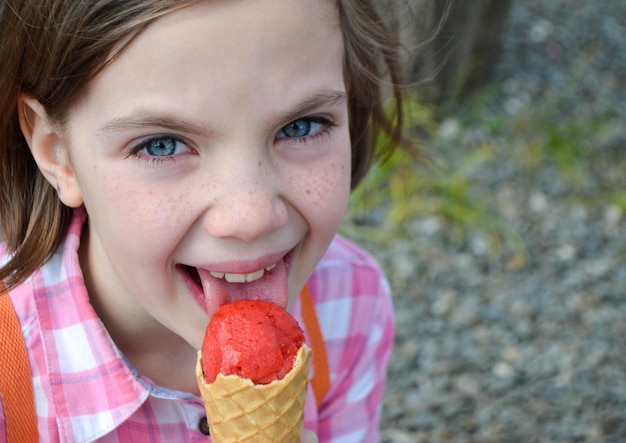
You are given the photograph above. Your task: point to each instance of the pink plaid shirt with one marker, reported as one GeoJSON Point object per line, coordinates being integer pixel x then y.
{"type": "Point", "coordinates": [85, 390]}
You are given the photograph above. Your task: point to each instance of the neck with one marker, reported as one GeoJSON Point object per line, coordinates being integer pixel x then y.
{"type": "Point", "coordinates": [155, 351]}
{"type": "Point", "coordinates": [170, 365]}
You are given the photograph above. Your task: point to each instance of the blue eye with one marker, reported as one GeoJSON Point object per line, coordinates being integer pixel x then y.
{"type": "Point", "coordinates": [164, 146]}
{"type": "Point", "coordinates": [304, 127]}
{"type": "Point", "coordinates": [298, 128]}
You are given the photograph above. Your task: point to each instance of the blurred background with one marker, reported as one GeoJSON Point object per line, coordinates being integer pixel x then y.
{"type": "Point", "coordinates": [506, 246]}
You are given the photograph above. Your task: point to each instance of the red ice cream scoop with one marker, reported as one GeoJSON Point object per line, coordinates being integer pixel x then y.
{"type": "Point", "coordinates": [253, 339]}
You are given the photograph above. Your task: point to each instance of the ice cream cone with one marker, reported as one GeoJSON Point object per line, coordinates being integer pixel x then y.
{"type": "Point", "coordinates": [239, 410]}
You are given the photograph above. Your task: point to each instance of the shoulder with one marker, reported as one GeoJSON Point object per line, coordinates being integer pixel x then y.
{"type": "Point", "coordinates": [356, 320]}
{"type": "Point", "coordinates": [22, 298]}
{"type": "Point", "coordinates": [346, 252]}
{"type": "Point", "coordinates": [349, 290]}
{"type": "Point", "coordinates": [347, 269]}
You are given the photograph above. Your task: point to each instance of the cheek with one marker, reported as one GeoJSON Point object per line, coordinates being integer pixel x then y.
{"type": "Point", "coordinates": [325, 191]}
{"type": "Point", "coordinates": [129, 206]}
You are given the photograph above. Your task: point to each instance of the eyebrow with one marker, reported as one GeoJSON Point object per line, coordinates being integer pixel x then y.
{"type": "Point", "coordinates": [139, 121]}
{"type": "Point", "coordinates": [324, 99]}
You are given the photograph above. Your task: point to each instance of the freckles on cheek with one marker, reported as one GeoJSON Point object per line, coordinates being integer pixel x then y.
{"type": "Point", "coordinates": [158, 212]}
{"type": "Point", "coordinates": [327, 187]}
{"type": "Point", "coordinates": [151, 209]}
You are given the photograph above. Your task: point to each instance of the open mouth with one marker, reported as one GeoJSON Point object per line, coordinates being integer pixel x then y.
{"type": "Point", "coordinates": [214, 288]}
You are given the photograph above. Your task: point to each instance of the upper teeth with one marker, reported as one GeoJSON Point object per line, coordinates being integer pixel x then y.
{"type": "Point", "coordinates": [242, 278]}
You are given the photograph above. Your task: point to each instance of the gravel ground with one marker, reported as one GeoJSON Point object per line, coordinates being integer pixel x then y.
{"type": "Point", "coordinates": [512, 348]}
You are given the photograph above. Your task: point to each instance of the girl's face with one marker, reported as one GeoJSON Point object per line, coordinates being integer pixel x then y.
{"type": "Point", "coordinates": [213, 158]}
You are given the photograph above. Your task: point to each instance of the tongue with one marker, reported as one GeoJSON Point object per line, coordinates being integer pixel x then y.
{"type": "Point", "coordinates": [272, 287]}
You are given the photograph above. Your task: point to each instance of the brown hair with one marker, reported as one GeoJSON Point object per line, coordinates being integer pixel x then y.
{"type": "Point", "coordinates": [51, 49]}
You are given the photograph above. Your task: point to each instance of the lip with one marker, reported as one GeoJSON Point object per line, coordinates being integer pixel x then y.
{"type": "Point", "coordinates": [247, 266]}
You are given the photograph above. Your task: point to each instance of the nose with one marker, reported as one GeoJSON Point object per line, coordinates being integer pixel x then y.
{"type": "Point", "coordinates": [247, 209]}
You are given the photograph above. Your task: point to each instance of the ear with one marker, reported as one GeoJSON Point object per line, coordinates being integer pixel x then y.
{"type": "Point", "coordinates": [49, 149]}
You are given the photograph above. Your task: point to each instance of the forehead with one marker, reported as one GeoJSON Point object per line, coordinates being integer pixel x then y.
{"type": "Point", "coordinates": [249, 27]}
{"type": "Point", "coordinates": [261, 46]}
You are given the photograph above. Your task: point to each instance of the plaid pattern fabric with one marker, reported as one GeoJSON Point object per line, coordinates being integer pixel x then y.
{"type": "Point", "coordinates": [85, 390]}
{"type": "Point", "coordinates": [355, 312]}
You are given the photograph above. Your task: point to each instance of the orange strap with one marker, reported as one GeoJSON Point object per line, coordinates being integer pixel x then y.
{"type": "Point", "coordinates": [321, 378]}
{"type": "Point", "coordinates": [16, 388]}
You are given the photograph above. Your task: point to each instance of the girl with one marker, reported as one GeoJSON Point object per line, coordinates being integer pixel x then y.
{"type": "Point", "coordinates": [159, 158]}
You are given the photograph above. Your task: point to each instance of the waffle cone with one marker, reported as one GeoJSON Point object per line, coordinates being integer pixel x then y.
{"type": "Point", "coordinates": [240, 411]}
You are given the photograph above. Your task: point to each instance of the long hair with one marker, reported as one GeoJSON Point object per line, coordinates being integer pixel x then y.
{"type": "Point", "coordinates": [51, 49]}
